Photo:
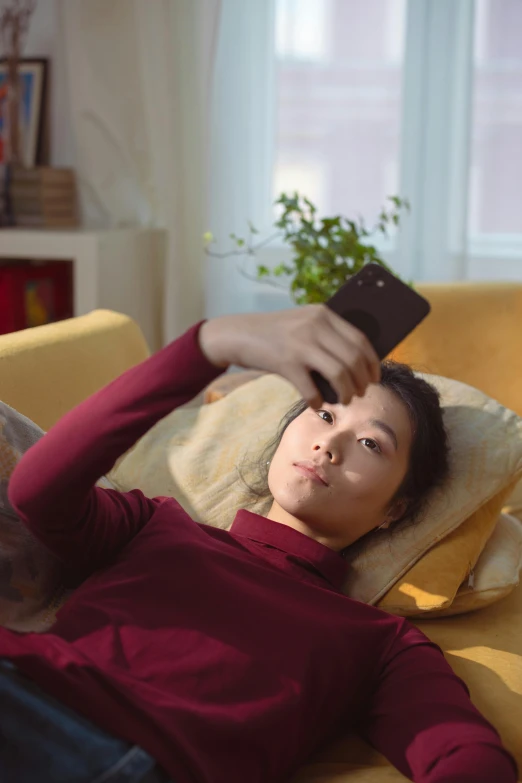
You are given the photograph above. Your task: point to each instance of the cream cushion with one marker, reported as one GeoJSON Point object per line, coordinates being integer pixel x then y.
{"type": "Point", "coordinates": [514, 501]}
{"type": "Point", "coordinates": [192, 455]}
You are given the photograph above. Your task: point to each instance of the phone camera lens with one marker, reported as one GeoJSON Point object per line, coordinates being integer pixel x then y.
{"type": "Point", "coordinates": [380, 283]}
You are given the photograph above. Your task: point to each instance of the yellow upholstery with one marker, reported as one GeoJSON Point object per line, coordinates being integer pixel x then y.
{"type": "Point", "coordinates": [46, 371]}
{"type": "Point", "coordinates": [473, 337]}
{"type": "Point", "coordinates": [495, 574]}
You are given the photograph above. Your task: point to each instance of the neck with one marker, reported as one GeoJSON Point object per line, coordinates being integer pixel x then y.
{"type": "Point", "coordinates": [278, 514]}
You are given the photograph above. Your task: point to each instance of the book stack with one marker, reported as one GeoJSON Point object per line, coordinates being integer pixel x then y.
{"type": "Point", "coordinates": [43, 197]}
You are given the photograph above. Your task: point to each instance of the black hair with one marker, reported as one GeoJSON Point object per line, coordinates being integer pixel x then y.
{"type": "Point", "coordinates": [429, 456]}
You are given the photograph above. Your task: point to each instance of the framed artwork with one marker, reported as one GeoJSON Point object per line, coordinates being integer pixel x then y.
{"type": "Point", "coordinates": [33, 88]}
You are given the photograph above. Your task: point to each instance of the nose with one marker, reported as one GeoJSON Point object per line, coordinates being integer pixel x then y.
{"type": "Point", "coordinates": [331, 450]}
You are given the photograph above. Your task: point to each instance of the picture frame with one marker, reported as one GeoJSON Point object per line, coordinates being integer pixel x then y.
{"type": "Point", "coordinates": [33, 73]}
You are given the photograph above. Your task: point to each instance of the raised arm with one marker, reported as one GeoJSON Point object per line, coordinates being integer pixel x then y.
{"type": "Point", "coordinates": [422, 719]}
{"type": "Point", "coordinates": [52, 488]}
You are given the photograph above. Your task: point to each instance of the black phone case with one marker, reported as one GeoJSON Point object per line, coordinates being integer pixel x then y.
{"type": "Point", "coordinates": [381, 306]}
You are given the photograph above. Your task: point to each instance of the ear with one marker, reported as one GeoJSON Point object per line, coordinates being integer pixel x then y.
{"type": "Point", "coordinates": [395, 513]}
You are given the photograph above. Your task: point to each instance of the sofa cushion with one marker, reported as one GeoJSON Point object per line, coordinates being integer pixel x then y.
{"type": "Point", "coordinates": [193, 455]}
{"type": "Point", "coordinates": [496, 573]}
{"type": "Point", "coordinates": [48, 370]}
{"type": "Point", "coordinates": [435, 581]}
{"type": "Point", "coordinates": [30, 576]}
{"type": "Point", "coordinates": [473, 334]}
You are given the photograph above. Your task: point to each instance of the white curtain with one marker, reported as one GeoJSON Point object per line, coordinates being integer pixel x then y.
{"type": "Point", "coordinates": [436, 128]}
{"type": "Point", "coordinates": [242, 147]}
{"type": "Point", "coordinates": [434, 156]}
{"type": "Point", "coordinates": [139, 81]}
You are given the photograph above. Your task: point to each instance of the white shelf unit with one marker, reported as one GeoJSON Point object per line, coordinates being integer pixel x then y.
{"type": "Point", "coordinates": [119, 269]}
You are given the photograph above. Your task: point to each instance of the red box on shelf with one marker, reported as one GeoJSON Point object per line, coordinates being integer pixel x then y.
{"type": "Point", "coordinates": [33, 294]}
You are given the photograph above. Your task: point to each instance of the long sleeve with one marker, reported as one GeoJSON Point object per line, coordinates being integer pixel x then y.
{"type": "Point", "coordinates": [53, 486]}
{"type": "Point", "coordinates": [422, 719]}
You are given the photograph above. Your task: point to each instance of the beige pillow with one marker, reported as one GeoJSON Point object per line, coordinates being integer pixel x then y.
{"type": "Point", "coordinates": [192, 455]}
{"type": "Point", "coordinates": [496, 573]}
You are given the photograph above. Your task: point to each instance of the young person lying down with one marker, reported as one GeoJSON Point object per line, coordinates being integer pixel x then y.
{"type": "Point", "coordinates": [192, 654]}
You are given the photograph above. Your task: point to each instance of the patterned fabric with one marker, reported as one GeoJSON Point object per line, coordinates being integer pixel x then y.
{"type": "Point", "coordinates": [29, 574]}
{"type": "Point", "coordinates": [30, 587]}
{"type": "Point", "coordinates": [17, 434]}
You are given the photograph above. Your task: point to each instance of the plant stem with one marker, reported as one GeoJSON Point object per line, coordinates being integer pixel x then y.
{"type": "Point", "coordinates": [248, 250]}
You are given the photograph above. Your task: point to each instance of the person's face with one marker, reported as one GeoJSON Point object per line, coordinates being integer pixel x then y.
{"type": "Point", "coordinates": [363, 463]}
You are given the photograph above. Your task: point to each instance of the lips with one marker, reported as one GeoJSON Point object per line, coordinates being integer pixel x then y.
{"type": "Point", "coordinates": [315, 472]}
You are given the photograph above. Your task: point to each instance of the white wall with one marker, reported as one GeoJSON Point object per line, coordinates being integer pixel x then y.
{"type": "Point", "coordinates": [43, 40]}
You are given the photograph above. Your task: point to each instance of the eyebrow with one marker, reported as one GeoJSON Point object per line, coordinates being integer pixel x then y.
{"type": "Point", "coordinates": [387, 429]}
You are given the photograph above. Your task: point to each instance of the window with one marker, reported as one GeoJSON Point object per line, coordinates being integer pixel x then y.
{"type": "Point", "coordinates": [440, 84]}
{"type": "Point", "coordinates": [349, 101]}
{"type": "Point", "coordinates": [338, 85]}
{"type": "Point", "coordinates": [301, 30]}
{"type": "Point", "coordinates": [496, 140]}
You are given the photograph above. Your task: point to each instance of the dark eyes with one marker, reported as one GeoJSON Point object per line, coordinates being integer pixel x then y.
{"type": "Point", "coordinates": [374, 445]}
{"type": "Point", "coordinates": [327, 413]}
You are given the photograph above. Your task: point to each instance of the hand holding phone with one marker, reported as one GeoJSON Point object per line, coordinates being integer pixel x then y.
{"type": "Point", "coordinates": [326, 357]}
{"type": "Point", "coordinates": [381, 306]}
{"type": "Point", "coordinates": [291, 343]}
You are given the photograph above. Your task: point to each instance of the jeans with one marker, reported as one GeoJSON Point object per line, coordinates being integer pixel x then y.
{"type": "Point", "coordinates": [43, 741]}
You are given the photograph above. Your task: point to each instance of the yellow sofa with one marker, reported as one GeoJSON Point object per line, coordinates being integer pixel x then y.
{"type": "Point", "coordinates": [474, 335]}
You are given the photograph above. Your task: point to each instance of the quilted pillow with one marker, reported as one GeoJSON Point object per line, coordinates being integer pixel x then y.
{"type": "Point", "coordinates": [435, 581]}
{"type": "Point", "coordinates": [30, 576]}
{"type": "Point", "coordinates": [496, 573]}
{"type": "Point", "coordinates": [192, 455]}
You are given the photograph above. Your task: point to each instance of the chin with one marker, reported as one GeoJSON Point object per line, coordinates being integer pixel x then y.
{"type": "Point", "coordinates": [307, 506]}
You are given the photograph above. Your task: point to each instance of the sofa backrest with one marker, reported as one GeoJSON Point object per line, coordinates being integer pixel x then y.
{"type": "Point", "coordinates": [47, 370]}
{"type": "Point", "coordinates": [474, 335]}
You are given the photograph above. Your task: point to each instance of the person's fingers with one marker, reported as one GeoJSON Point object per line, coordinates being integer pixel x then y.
{"type": "Point", "coordinates": [350, 356]}
{"type": "Point", "coordinates": [302, 380]}
{"type": "Point", "coordinates": [337, 374]}
{"type": "Point", "coordinates": [292, 343]}
{"type": "Point", "coordinates": [350, 333]}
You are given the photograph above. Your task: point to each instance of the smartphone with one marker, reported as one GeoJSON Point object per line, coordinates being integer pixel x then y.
{"type": "Point", "coordinates": [381, 306]}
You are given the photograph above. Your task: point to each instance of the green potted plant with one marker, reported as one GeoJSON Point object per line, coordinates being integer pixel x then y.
{"type": "Point", "coordinates": [326, 251]}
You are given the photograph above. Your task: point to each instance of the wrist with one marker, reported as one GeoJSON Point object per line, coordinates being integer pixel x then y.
{"type": "Point", "coordinates": [212, 345]}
